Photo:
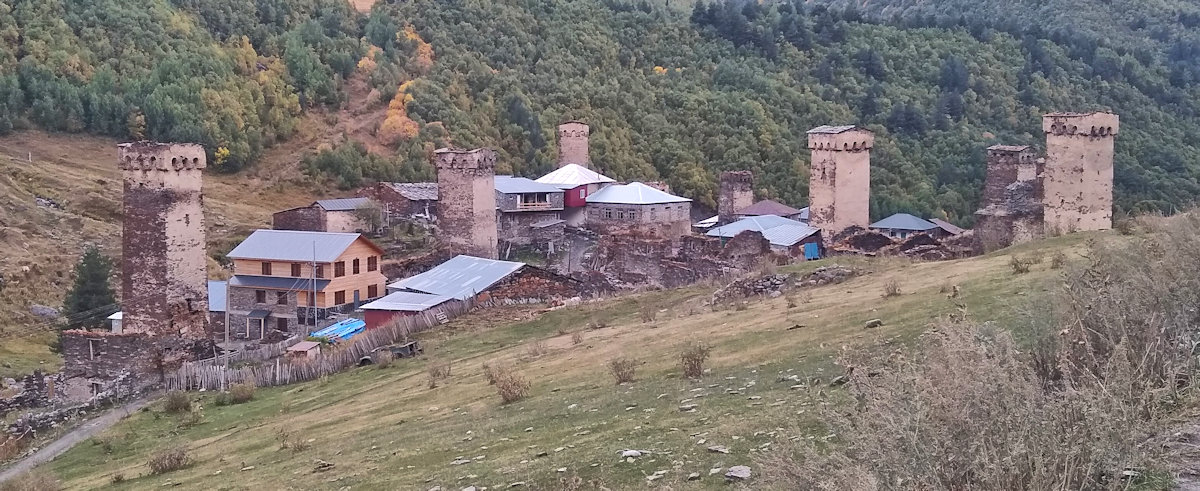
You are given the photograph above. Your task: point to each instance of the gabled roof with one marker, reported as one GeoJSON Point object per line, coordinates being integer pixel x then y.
{"type": "Point", "coordinates": [516, 185]}
{"type": "Point", "coordinates": [461, 277]}
{"type": "Point", "coordinates": [296, 246]}
{"type": "Point", "coordinates": [573, 175]}
{"type": "Point", "coordinates": [216, 295]}
{"type": "Point", "coordinates": [950, 228]}
{"type": "Point", "coordinates": [343, 204]}
{"type": "Point", "coordinates": [634, 193]}
{"type": "Point", "coordinates": [407, 302]}
{"type": "Point", "coordinates": [904, 221]}
{"type": "Point", "coordinates": [758, 224]}
{"type": "Point", "coordinates": [768, 207]}
{"type": "Point", "coordinates": [833, 130]}
{"type": "Point", "coordinates": [416, 191]}
{"type": "Point", "coordinates": [789, 235]}
{"type": "Point", "coordinates": [1009, 148]}
{"type": "Point", "coordinates": [707, 222]}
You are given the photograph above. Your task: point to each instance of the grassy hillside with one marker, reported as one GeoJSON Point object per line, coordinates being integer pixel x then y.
{"type": "Point", "coordinates": [384, 428]}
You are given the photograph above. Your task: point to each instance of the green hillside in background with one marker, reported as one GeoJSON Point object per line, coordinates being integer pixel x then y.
{"type": "Point", "coordinates": [676, 91]}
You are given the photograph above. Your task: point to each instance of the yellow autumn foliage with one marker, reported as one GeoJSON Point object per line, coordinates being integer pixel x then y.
{"type": "Point", "coordinates": [398, 126]}
{"type": "Point", "coordinates": [367, 64]}
{"type": "Point", "coordinates": [423, 55]}
{"type": "Point", "coordinates": [660, 70]}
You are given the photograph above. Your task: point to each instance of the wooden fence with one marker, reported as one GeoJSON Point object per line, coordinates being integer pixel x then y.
{"type": "Point", "coordinates": [259, 354]}
{"type": "Point", "coordinates": [204, 375]}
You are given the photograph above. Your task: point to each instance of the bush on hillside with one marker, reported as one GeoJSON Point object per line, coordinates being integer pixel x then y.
{"type": "Point", "coordinates": [622, 369]}
{"type": "Point", "coordinates": [170, 459]}
{"type": "Point", "coordinates": [177, 401]}
{"type": "Point", "coordinates": [692, 359]}
{"type": "Point", "coordinates": [511, 386]}
{"type": "Point", "coordinates": [243, 392]}
{"type": "Point", "coordinates": [32, 481]}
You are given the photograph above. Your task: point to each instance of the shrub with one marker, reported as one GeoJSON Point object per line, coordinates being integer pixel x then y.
{"type": "Point", "coordinates": [1058, 260]}
{"type": "Point", "coordinates": [191, 418]}
{"type": "Point", "coordinates": [622, 369]}
{"type": "Point", "coordinates": [243, 392]}
{"type": "Point", "coordinates": [692, 359]}
{"type": "Point", "coordinates": [1124, 226]}
{"type": "Point", "coordinates": [577, 337]}
{"type": "Point", "coordinates": [438, 371]}
{"type": "Point", "coordinates": [1019, 265]}
{"type": "Point", "coordinates": [12, 447]}
{"type": "Point", "coordinates": [492, 372]}
{"type": "Point", "coordinates": [167, 460]}
{"type": "Point", "coordinates": [647, 314]}
{"type": "Point", "coordinates": [222, 399]}
{"type": "Point", "coordinates": [177, 401]}
{"type": "Point", "coordinates": [288, 441]}
{"type": "Point", "coordinates": [382, 358]}
{"type": "Point", "coordinates": [117, 478]}
{"type": "Point", "coordinates": [32, 481]}
{"type": "Point", "coordinates": [536, 349]}
{"type": "Point", "coordinates": [511, 386]}
{"type": "Point", "coordinates": [891, 289]}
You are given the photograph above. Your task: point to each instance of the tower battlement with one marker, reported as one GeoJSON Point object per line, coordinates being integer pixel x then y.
{"type": "Point", "coordinates": [1077, 178]}
{"type": "Point", "coordinates": [573, 143]}
{"type": "Point", "coordinates": [147, 156]}
{"type": "Point", "coordinates": [839, 186]}
{"type": "Point", "coordinates": [467, 200]}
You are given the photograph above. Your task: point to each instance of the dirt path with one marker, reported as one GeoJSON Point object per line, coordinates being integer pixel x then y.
{"type": "Point", "coordinates": [71, 438]}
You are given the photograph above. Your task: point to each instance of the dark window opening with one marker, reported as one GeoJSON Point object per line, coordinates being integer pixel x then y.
{"type": "Point", "coordinates": [281, 298]}
{"type": "Point", "coordinates": [372, 263]}
{"type": "Point", "coordinates": [372, 291]}
{"type": "Point", "coordinates": [281, 324]}
{"type": "Point", "coordinates": [266, 269]}
{"type": "Point", "coordinates": [339, 269]}
{"type": "Point", "coordinates": [320, 271]}
{"type": "Point", "coordinates": [296, 270]}
{"type": "Point", "coordinates": [260, 296]}
{"type": "Point", "coordinates": [354, 266]}
{"type": "Point", "coordinates": [339, 297]}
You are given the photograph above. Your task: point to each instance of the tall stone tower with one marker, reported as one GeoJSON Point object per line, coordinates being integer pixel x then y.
{"type": "Point", "coordinates": [1077, 183]}
{"type": "Point", "coordinates": [466, 207]}
{"type": "Point", "coordinates": [839, 185]}
{"type": "Point", "coordinates": [1007, 164]}
{"type": "Point", "coordinates": [573, 144]}
{"type": "Point", "coordinates": [736, 194]}
{"type": "Point", "coordinates": [164, 288]}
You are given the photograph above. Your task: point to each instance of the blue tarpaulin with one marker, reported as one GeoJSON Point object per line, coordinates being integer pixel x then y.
{"type": "Point", "coordinates": [812, 251]}
{"type": "Point", "coordinates": [342, 330]}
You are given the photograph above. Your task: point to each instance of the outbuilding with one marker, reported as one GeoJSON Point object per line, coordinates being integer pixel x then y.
{"type": "Point", "coordinates": [400, 304]}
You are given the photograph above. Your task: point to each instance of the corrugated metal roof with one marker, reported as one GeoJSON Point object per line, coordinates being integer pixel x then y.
{"type": "Point", "coordinates": [216, 296]}
{"type": "Point", "coordinates": [416, 191]}
{"type": "Point", "coordinates": [833, 130]}
{"type": "Point", "coordinates": [303, 346]}
{"type": "Point", "coordinates": [634, 193]}
{"type": "Point", "coordinates": [804, 214]}
{"type": "Point", "coordinates": [573, 175]}
{"type": "Point", "coordinates": [904, 221]}
{"type": "Point", "coordinates": [515, 185]}
{"type": "Point", "coordinates": [788, 235]}
{"type": "Point", "coordinates": [275, 283]}
{"type": "Point", "coordinates": [461, 277]}
{"type": "Point", "coordinates": [1009, 148]}
{"type": "Point", "coordinates": [293, 245]}
{"type": "Point", "coordinates": [343, 204]}
{"type": "Point", "coordinates": [759, 224]}
{"type": "Point", "coordinates": [407, 302]}
{"type": "Point", "coordinates": [116, 316]}
{"type": "Point", "coordinates": [768, 207]}
{"type": "Point", "coordinates": [707, 222]}
{"type": "Point", "coordinates": [951, 228]}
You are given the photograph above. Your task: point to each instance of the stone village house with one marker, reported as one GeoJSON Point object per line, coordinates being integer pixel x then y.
{"type": "Point", "coordinates": [328, 215]}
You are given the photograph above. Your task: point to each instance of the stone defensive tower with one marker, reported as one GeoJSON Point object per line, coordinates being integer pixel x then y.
{"type": "Point", "coordinates": [573, 144]}
{"type": "Point", "coordinates": [163, 263]}
{"type": "Point", "coordinates": [1007, 164]}
{"type": "Point", "coordinates": [1077, 183]}
{"type": "Point", "coordinates": [466, 206]}
{"type": "Point", "coordinates": [839, 185]}
{"type": "Point", "coordinates": [736, 194]}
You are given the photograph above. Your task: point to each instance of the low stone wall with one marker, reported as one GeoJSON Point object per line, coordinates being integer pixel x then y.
{"type": "Point", "coordinates": [106, 355]}
{"type": "Point", "coordinates": [32, 393]}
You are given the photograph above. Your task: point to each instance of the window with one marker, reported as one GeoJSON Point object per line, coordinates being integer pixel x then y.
{"type": "Point", "coordinates": [296, 270]}
{"type": "Point", "coordinates": [372, 291]}
{"type": "Point", "coordinates": [281, 298]}
{"type": "Point", "coordinates": [582, 193]}
{"type": "Point", "coordinates": [339, 297]}
{"type": "Point", "coordinates": [281, 324]}
{"type": "Point", "coordinates": [266, 269]}
{"type": "Point", "coordinates": [260, 296]}
{"type": "Point", "coordinates": [354, 266]}
{"type": "Point", "coordinates": [620, 214]}
{"type": "Point", "coordinates": [320, 271]}
{"type": "Point", "coordinates": [653, 213]}
{"type": "Point", "coordinates": [608, 214]}
{"type": "Point", "coordinates": [339, 269]}
{"type": "Point", "coordinates": [372, 263]}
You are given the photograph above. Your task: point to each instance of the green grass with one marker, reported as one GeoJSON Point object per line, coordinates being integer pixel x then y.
{"type": "Point", "coordinates": [386, 429]}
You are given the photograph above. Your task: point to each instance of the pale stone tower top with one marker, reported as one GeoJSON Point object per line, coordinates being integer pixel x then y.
{"type": "Point", "coordinates": [573, 144]}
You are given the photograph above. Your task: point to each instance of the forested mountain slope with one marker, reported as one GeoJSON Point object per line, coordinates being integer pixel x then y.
{"type": "Point", "coordinates": [672, 92]}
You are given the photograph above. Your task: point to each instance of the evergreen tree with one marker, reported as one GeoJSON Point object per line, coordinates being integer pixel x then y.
{"type": "Point", "coordinates": [91, 298]}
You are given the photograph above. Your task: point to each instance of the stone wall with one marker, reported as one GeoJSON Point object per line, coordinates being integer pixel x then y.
{"type": "Point", "coordinates": [633, 260]}
{"type": "Point", "coordinates": [467, 200]}
{"type": "Point", "coordinates": [106, 356]}
{"type": "Point", "coordinates": [1006, 165]}
{"type": "Point", "coordinates": [163, 261]}
{"type": "Point", "coordinates": [736, 194]}
{"type": "Point", "coordinates": [243, 300]}
{"type": "Point", "coordinates": [1017, 219]}
{"type": "Point", "coordinates": [33, 392]}
{"type": "Point", "coordinates": [306, 218]}
{"type": "Point", "coordinates": [840, 179]}
{"type": "Point", "coordinates": [1078, 175]}
{"type": "Point", "coordinates": [396, 204]}
{"type": "Point", "coordinates": [517, 228]}
{"type": "Point", "coordinates": [671, 220]}
{"type": "Point", "coordinates": [573, 144]}
{"type": "Point", "coordinates": [532, 284]}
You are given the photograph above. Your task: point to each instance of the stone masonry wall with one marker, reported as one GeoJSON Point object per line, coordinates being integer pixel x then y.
{"type": "Point", "coordinates": [107, 356]}
{"type": "Point", "coordinates": [308, 218]}
{"type": "Point", "coordinates": [1078, 174]}
{"type": "Point", "coordinates": [573, 144]}
{"type": "Point", "coordinates": [1006, 165]}
{"type": "Point", "coordinates": [163, 261]}
{"type": "Point", "coordinates": [467, 200]}
{"type": "Point", "coordinates": [736, 193]}
{"type": "Point", "coordinates": [243, 300]}
{"type": "Point", "coordinates": [840, 180]}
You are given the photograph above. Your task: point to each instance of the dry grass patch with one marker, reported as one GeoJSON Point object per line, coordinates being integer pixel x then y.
{"type": "Point", "coordinates": [177, 401]}
{"type": "Point", "coordinates": [891, 289]}
{"type": "Point", "coordinates": [243, 392]}
{"type": "Point", "coordinates": [438, 370]}
{"type": "Point", "coordinates": [511, 385]}
{"type": "Point", "coordinates": [577, 337]}
{"type": "Point", "coordinates": [32, 481]}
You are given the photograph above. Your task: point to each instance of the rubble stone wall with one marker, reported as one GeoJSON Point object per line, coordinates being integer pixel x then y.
{"type": "Point", "coordinates": [308, 218]}
{"type": "Point", "coordinates": [467, 200]}
{"type": "Point", "coordinates": [736, 194]}
{"type": "Point", "coordinates": [1078, 175]}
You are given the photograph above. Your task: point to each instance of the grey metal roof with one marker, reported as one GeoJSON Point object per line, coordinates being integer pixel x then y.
{"type": "Point", "coordinates": [216, 296]}
{"type": "Point", "coordinates": [407, 302]}
{"type": "Point", "coordinates": [461, 277]}
{"type": "Point", "coordinates": [804, 214]}
{"type": "Point", "coordinates": [416, 191]}
{"type": "Point", "coordinates": [904, 221]}
{"type": "Point", "coordinates": [275, 283]}
{"type": "Point", "coordinates": [516, 185]}
{"type": "Point", "coordinates": [789, 235]}
{"type": "Point", "coordinates": [768, 207]}
{"type": "Point", "coordinates": [950, 228]}
{"type": "Point", "coordinates": [1009, 148]}
{"type": "Point", "coordinates": [833, 130]}
{"type": "Point", "coordinates": [573, 175]}
{"type": "Point", "coordinates": [634, 193]}
{"type": "Point", "coordinates": [293, 245]}
{"type": "Point", "coordinates": [343, 204]}
{"type": "Point", "coordinates": [758, 223]}
{"type": "Point", "coordinates": [259, 314]}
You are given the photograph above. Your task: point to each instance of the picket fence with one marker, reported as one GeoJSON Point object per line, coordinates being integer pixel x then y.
{"type": "Point", "coordinates": [259, 354]}
{"type": "Point", "coordinates": [206, 375]}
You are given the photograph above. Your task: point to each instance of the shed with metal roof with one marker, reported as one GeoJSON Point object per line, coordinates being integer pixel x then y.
{"type": "Point", "coordinates": [462, 277]}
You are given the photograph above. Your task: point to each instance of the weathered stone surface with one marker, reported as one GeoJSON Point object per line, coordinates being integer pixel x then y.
{"type": "Point", "coordinates": [839, 178]}
{"type": "Point", "coordinates": [738, 473]}
{"type": "Point", "coordinates": [467, 200]}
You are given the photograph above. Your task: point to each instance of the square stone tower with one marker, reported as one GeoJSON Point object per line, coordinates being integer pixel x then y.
{"type": "Point", "coordinates": [736, 194]}
{"type": "Point", "coordinates": [164, 290]}
{"type": "Point", "coordinates": [1077, 183]}
{"type": "Point", "coordinates": [573, 144]}
{"type": "Point", "coordinates": [466, 207]}
{"type": "Point", "coordinates": [839, 183]}
{"type": "Point", "coordinates": [1007, 164]}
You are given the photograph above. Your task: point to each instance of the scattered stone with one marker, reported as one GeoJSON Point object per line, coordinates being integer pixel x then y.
{"type": "Point", "coordinates": [656, 476]}
{"type": "Point", "coordinates": [460, 461]}
{"type": "Point", "coordinates": [688, 407]}
{"type": "Point", "coordinates": [738, 473]}
{"type": "Point", "coordinates": [718, 449]}
{"type": "Point", "coordinates": [248, 468]}
{"type": "Point", "coordinates": [542, 454]}
{"type": "Point", "coordinates": [529, 429]}
{"type": "Point", "coordinates": [321, 465]}
{"type": "Point", "coordinates": [873, 323]}
{"type": "Point", "coordinates": [561, 469]}
{"type": "Point", "coordinates": [469, 488]}
{"type": "Point", "coordinates": [633, 453]}
{"type": "Point", "coordinates": [695, 476]}
{"type": "Point", "coordinates": [839, 380]}
{"type": "Point", "coordinates": [44, 311]}
{"type": "Point", "coordinates": [517, 484]}
{"type": "Point", "coordinates": [714, 471]}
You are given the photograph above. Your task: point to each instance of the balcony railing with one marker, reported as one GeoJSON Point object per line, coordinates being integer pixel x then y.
{"type": "Point", "coordinates": [534, 206]}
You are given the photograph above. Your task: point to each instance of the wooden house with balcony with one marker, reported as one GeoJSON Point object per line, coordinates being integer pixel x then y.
{"type": "Point", "coordinates": [529, 213]}
{"type": "Point", "coordinates": [283, 279]}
